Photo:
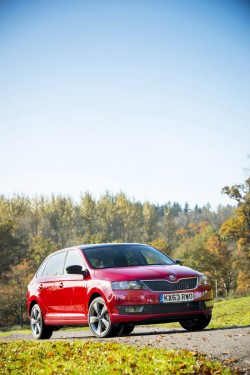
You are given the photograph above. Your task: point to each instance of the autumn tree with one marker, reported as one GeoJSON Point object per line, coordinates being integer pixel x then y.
{"type": "Point", "coordinates": [9, 246]}
{"type": "Point", "coordinates": [59, 220]}
{"type": "Point", "coordinates": [149, 222]}
{"type": "Point", "coordinates": [127, 216]}
{"type": "Point", "coordinates": [222, 267]}
{"type": "Point", "coordinates": [13, 294]}
{"type": "Point", "coordinates": [14, 230]}
{"type": "Point", "coordinates": [192, 248]}
{"type": "Point", "coordinates": [168, 229]}
{"type": "Point", "coordinates": [105, 218]}
{"type": "Point", "coordinates": [87, 224]}
{"type": "Point", "coordinates": [39, 249]}
{"type": "Point", "coordinates": [238, 228]}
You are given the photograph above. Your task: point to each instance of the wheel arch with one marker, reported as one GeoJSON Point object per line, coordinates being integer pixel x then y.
{"type": "Point", "coordinates": [32, 303]}
{"type": "Point", "coordinates": [94, 296]}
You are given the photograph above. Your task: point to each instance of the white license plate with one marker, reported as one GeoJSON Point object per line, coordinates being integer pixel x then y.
{"type": "Point", "coordinates": [177, 297]}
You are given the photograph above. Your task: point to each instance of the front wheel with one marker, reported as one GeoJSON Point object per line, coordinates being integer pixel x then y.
{"type": "Point", "coordinates": [39, 329]}
{"type": "Point", "coordinates": [196, 324]}
{"type": "Point", "coordinates": [99, 321]}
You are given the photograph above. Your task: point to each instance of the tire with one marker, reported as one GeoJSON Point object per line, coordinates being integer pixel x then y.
{"type": "Point", "coordinates": [99, 321]}
{"type": "Point", "coordinates": [127, 329]}
{"type": "Point", "coordinates": [196, 324]}
{"type": "Point", "coordinates": [40, 330]}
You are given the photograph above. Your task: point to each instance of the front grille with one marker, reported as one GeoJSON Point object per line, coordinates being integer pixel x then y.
{"type": "Point", "coordinates": [166, 286]}
{"type": "Point", "coordinates": [163, 308]}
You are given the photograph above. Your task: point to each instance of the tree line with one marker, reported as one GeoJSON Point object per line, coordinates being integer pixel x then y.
{"type": "Point", "coordinates": [215, 242]}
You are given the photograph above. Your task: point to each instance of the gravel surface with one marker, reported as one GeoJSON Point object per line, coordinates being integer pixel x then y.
{"type": "Point", "coordinates": [230, 346]}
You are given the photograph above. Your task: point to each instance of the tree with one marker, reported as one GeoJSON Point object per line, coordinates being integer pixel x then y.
{"type": "Point", "coordinates": [59, 221]}
{"type": "Point", "coordinates": [87, 218]}
{"type": "Point", "coordinates": [10, 246]}
{"type": "Point", "coordinates": [105, 218]}
{"type": "Point", "coordinates": [186, 208]}
{"type": "Point", "coordinates": [15, 225]}
{"type": "Point", "coordinates": [238, 228]}
{"type": "Point", "coordinates": [149, 222]}
{"type": "Point", "coordinates": [40, 248]}
{"type": "Point", "coordinates": [203, 249]}
{"type": "Point", "coordinates": [168, 229]}
{"type": "Point", "coordinates": [13, 294]}
{"type": "Point", "coordinates": [222, 267]}
{"type": "Point", "coordinates": [127, 219]}
{"type": "Point", "coordinates": [192, 247]}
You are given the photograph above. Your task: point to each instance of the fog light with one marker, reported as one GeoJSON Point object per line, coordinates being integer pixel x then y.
{"type": "Point", "coordinates": [130, 309]}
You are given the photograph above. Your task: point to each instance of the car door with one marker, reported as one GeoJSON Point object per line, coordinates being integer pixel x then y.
{"type": "Point", "coordinates": [49, 286]}
{"type": "Point", "coordinates": [74, 290]}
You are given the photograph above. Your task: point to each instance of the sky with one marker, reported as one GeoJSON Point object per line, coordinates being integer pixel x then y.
{"type": "Point", "coordinates": [147, 97]}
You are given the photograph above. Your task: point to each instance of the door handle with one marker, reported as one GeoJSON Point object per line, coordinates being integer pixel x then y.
{"type": "Point", "coordinates": [41, 286]}
{"type": "Point", "coordinates": [60, 285]}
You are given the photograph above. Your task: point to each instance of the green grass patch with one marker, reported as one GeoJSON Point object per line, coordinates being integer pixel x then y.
{"type": "Point", "coordinates": [231, 313]}
{"type": "Point", "coordinates": [27, 331]}
{"type": "Point", "coordinates": [96, 357]}
{"type": "Point", "coordinates": [8, 331]}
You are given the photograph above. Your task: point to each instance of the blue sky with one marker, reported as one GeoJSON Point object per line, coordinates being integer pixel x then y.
{"type": "Point", "coordinates": [151, 98]}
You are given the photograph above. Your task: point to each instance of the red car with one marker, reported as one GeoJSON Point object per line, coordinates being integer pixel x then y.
{"type": "Point", "coordinates": [113, 287]}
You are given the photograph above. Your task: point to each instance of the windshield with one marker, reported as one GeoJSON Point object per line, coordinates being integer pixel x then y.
{"type": "Point", "coordinates": [110, 256]}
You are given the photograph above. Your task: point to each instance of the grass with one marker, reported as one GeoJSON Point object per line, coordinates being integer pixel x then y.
{"type": "Point", "coordinates": [231, 313]}
{"type": "Point", "coordinates": [7, 331]}
{"type": "Point", "coordinates": [96, 357]}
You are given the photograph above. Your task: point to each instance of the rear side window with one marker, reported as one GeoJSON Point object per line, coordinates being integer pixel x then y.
{"type": "Point", "coordinates": [53, 266]}
{"type": "Point", "coordinates": [41, 268]}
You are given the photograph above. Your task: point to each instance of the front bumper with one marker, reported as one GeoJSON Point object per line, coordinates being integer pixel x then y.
{"type": "Point", "coordinates": [141, 307]}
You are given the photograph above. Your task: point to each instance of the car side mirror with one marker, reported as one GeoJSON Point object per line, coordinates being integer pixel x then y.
{"type": "Point", "coordinates": [178, 261]}
{"type": "Point", "coordinates": [77, 270]}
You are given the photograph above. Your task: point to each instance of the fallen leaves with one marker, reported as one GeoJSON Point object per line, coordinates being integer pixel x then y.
{"type": "Point", "coordinates": [95, 357]}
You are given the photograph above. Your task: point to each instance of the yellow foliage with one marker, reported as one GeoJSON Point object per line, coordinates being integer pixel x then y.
{"type": "Point", "coordinates": [202, 226]}
{"type": "Point", "coordinates": [194, 229]}
{"type": "Point", "coordinates": [182, 232]}
{"type": "Point", "coordinates": [160, 244]}
{"type": "Point", "coordinates": [243, 282]}
{"type": "Point", "coordinates": [213, 244]}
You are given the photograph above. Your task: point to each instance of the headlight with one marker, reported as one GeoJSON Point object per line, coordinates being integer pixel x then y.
{"type": "Point", "coordinates": [203, 280]}
{"type": "Point", "coordinates": [121, 285]}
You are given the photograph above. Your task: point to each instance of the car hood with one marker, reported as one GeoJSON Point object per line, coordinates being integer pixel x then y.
{"type": "Point", "coordinates": [145, 273]}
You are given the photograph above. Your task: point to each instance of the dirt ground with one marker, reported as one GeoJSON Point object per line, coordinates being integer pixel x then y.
{"type": "Point", "coordinates": [231, 346]}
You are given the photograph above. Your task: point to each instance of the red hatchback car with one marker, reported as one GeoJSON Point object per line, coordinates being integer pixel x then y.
{"type": "Point", "coordinates": [113, 287]}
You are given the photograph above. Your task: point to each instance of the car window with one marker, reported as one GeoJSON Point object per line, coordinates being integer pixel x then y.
{"type": "Point", "coordinates": [125, 256]}
{"type": "Point", "coordinates": [54, 265]}
{"type": "Point", "coordinates": [153, 257]}
{"type": "Point", "coordinates": [101, 258]}
{"type": "Point", "coordinates": [73, 259]}
{"type": "Point", "coordinates": [41, 268]}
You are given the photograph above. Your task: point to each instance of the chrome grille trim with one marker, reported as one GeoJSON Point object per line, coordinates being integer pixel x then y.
{"type": "Point", "coordinates": [162, 285]}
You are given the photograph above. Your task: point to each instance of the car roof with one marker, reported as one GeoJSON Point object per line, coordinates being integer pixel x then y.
{"type": "Point", "coordinates": [112, 244]}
